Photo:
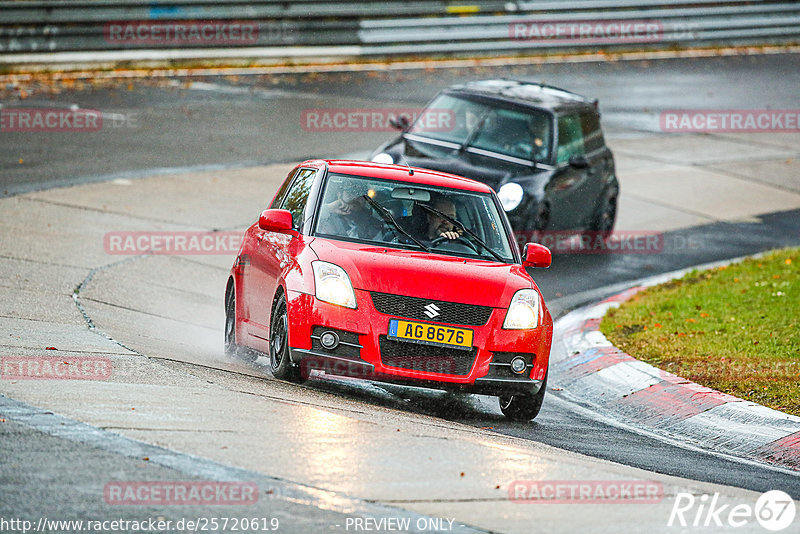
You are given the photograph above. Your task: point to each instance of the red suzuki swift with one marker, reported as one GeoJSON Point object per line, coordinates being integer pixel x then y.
{"type": "Point", "coordinates": [394, 274]}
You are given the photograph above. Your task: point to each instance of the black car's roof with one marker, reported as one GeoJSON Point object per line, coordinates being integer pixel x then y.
{"type": "Point", "coordinates": [526, 93]}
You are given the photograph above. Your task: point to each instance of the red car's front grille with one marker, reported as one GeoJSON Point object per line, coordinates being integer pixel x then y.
{"type": "Point", "coordinates": [419, 309]}
{"type": "Point", "coordinates": [429, 359]}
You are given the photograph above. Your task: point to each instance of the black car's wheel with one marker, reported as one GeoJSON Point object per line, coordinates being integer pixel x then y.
{"type": "Point", "coordinates": [233, 349]}
{"type": "Point", "coordinates": [538, 222]}
{"type": "Point", "coordinates": [280, 362]}
{"type": "Point", "coordinates": [606, 216]}
{"type": "Point", "coordinates": [523, 407]}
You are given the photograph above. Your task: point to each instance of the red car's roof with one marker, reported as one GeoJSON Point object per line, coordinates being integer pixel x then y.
{"type": "Point", "coordinates": [400, 173]}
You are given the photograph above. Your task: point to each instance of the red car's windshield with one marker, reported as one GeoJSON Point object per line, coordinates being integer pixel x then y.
{"type": "Point", "coordinates": [400, 214]}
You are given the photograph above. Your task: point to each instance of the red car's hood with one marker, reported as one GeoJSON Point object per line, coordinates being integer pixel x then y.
{"type": "Point", "coordinates": [419, 274]}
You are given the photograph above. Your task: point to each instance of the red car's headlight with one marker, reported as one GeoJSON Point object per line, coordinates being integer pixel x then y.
{"type": "Point", "coordinates": [525, 310]}
{"type": "Point", "coordinates": [333, 285]}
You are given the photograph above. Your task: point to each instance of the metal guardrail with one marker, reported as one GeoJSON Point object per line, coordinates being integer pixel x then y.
{"type": "Point", "coordinates": [390, 27]}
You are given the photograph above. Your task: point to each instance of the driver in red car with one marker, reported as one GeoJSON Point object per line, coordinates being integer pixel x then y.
{"type": "Point", "coordinates": [429, 226]}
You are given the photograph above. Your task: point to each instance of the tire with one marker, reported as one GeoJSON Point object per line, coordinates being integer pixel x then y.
{"type": "Point", "coordinates": [538, 223]}
{"type": "Point", "coordinates": [606, 217]}
{"type": "Point", "coordinates": [523, 408]}
{"type": "Point", "coordinates": [233, 349]}
{"type": "Point", "coordinates": [280, 361]}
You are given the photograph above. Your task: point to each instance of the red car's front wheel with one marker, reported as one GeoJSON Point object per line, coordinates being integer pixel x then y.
{"type": "Point", "coordinates": [523, 407]}
{"type": "Point", "coordinates": [280, 362]}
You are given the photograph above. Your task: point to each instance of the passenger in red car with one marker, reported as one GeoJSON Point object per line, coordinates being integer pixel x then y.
{"type": "Point", "coordinates": [349, 215]}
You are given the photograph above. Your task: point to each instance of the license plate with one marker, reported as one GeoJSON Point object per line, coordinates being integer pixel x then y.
{"type": "Point", "coordinates": [430, 334]}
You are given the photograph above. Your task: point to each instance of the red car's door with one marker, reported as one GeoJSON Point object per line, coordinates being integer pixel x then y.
{"type": "Point", "coordinates": [271, 255]}
{"type": "Point", "coordinates": [267, 259]}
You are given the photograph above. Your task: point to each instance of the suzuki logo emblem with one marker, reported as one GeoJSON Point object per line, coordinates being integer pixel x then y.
{"type": "Point", "coordinates": [432, 310]}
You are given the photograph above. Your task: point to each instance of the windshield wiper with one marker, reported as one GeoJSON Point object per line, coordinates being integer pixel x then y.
{"type": "Point", "coordinates": [476, 130]}
{"type": "Point", "coordinates": [388, 218]}
{"type": "Point", "coordinates": [464, 229]}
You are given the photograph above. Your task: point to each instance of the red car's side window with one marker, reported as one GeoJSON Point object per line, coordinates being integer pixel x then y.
{"type": "Point", "coordinates": [296, 197]}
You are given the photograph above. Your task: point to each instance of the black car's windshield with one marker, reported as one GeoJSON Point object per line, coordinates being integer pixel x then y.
{"type": "Point", "coordinates": [524, 134]}
{"type": "Point", "coordinates": [403, 215]}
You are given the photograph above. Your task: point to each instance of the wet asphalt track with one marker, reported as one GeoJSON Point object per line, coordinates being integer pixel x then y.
{"type": "Point", "coordinates": [257, 120]}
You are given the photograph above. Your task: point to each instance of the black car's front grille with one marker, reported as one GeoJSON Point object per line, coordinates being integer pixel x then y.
{"type": "Point", "coordinates": [431, 310]}
{"type": "Point", "coordinates": [429, 359]}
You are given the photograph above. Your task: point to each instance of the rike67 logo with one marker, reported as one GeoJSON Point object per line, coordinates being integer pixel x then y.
{"type": "Point", "coordinates": [774, 510]}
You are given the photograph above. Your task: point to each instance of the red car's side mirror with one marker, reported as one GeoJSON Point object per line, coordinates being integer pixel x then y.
{"type": "Point", "coordinates": [536, 255]}
{"type": "Point", "coordinates": [275, 221]}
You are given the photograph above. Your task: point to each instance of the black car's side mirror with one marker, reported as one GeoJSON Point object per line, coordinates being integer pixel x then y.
{"type": "Point", "coordinates": [578, 161]}
{"type": "Point", "coordinates": [400, 122]}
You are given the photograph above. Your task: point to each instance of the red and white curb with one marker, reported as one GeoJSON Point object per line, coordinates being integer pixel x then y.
{"type": "Point", "coordinates": [590, 368]}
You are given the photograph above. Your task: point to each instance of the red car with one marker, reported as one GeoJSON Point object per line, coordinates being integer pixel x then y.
{"type": "Point", "coordinates": [395, 274]}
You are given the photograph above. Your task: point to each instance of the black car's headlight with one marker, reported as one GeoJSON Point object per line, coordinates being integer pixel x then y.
{"type": "Point", "coordinates": [383, 157]}
{"type": "Point", "coordinates": [510, 195]}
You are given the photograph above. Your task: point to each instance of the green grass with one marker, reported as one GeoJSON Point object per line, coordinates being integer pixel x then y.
{"type": "Point", "coordinates": [735, 329]}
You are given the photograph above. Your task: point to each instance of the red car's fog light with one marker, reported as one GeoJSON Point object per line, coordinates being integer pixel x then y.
{"type": "Point", "coordinates": [329, 340]}
{"type": "Point", "coordinates": [518, 365]}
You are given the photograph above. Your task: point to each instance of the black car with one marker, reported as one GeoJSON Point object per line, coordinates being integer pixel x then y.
{"type": "Point", "coordinates": [540, 147]}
